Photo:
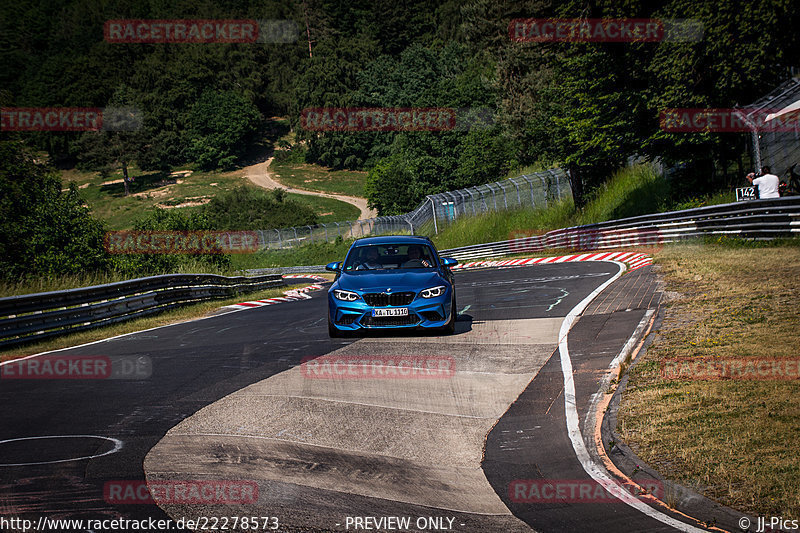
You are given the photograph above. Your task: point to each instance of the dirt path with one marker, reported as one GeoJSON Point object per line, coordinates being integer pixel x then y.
{"type": "Point", "coordinates": [261, 176]}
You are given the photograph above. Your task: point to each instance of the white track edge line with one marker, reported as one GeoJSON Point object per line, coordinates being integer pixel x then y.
{"type": "Point", "coordinates": [597, 472]}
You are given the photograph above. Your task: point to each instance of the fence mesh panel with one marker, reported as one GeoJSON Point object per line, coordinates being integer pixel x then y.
{"type": "Point", "coordinates": [536, 190]}
{"type": "Point", "coordinates": [779, 150]}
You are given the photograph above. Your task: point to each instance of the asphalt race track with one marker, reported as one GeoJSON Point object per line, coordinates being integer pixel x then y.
{"type": "Point", "coordinates": [226, 398]}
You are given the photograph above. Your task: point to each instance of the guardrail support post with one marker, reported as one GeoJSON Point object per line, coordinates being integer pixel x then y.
{"type": "Point", "coordinates": [505, 199]}
{"type": "Point", "coordinates": [433, 208]}
{"type": "Point", "coordinates": [519, 200]}
{"type": "Point", "coordinates": [530, 187]}
{"type": "Point", "coordinates": [471, 200]}
{"type": "Point", "coordinates": [545, 187]}
{"type": "Point", "coordinates": [494, 196]}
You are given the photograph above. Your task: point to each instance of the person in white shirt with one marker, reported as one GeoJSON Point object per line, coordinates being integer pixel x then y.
{"type": "Point", "coordinates": [767, 183]}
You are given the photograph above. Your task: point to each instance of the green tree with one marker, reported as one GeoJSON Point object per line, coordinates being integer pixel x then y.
{"type": "Point", "coordinates": [746, 49]}
{"type": "Point", "coordinates": [220, 126]}
{"type": "Point", "coordinates": [44, 231]}
{"type": "Point", "coordinates": [154, 264]}
{"type": "Point", "coordinates": [248, 208]}
{"type": "Point", "coordinates": [120, 143]}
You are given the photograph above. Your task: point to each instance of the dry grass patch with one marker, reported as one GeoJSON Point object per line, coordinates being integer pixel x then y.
{"type": "Point", "coordinates": [736, 441]}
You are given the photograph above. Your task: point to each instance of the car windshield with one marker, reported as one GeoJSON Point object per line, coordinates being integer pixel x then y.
{"type": "Point", "coordinates": [389, 257]}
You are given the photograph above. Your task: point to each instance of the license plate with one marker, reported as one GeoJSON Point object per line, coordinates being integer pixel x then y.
{"type": "Point", "coordinates": [398, 311]}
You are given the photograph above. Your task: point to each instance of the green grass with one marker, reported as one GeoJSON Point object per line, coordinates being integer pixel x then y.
{"type": "Point", "coordinates": [318, 253]}
{"type": "Point", "coordinates": [109, 203]}
{"type": "Point", "coordinates": [634, 191]}
{"type": "Point", "coordinates": [630, 192]}
{"type": "Point", "coordinates": [501, 226]}
{"type": "Point", "coordinates": [59, 283]}
{"type": "Point", "coordinates": [317, 178]}
{"type": "Point", "coordinates": [733, 440]}
{"type": "Point", "coordinates": [328, 209]}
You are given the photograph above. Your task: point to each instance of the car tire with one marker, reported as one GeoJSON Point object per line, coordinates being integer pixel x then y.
{"type": "Point", "coordinates": [450, 327]}
{"type": "Point", "coordinates": [333, 333]}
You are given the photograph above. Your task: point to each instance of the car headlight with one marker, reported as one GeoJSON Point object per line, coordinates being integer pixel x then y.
{"type": "Point", "coordinates": [347, 296]}
{"type": "Point", "coordinates": [433, 292]}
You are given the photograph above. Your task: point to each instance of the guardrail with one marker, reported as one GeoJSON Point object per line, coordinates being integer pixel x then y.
{"type": "Point", "coordinates": [43, 315]}
{"type": "Point", "coordinates": [756, 219]}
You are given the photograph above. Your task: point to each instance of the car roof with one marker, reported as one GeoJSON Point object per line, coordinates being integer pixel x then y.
{"type": "Point", "coordinates": [392, 239]}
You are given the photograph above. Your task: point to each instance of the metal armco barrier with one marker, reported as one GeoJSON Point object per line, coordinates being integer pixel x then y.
{"type": "Point", "coordinates": [315, 269]}
{"type": "Point", "coordinates": [38, 316]}
{"type": "Point", "coordinates": [757, 219]}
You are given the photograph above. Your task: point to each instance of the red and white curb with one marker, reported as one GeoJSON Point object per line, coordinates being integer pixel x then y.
{"type": "Point", "coordinates": [304, 276]}
{"type": "Point", "coordinates": [634, 260]}
{"type": "Point", "coordinates": [289, 296]}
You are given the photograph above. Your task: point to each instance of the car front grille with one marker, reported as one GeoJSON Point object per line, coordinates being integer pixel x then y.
{"type": "Point", "coordinates": [382, 299]}
{"type": "Point", "coordinates": [409, 320]}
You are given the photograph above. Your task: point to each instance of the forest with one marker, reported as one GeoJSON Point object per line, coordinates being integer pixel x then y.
{"type": "Point", "coordinates": [589, 107]}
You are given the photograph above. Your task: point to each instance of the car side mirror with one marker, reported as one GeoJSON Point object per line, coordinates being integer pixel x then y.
{"type": "Point", "coordinates": [334, 267]}
{"type": "Point", "coordinates": [449, 261]}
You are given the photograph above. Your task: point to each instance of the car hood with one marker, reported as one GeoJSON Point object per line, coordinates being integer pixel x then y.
{"type": "Point", "coordinates": [398, 282]}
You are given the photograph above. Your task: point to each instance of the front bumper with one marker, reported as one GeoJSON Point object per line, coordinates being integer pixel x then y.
{"type": "Point", "coordinates": [422, 313]}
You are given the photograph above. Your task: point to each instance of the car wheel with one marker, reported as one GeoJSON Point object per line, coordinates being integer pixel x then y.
{"type": "Point", "coordinates": [333, 333]}
{"type": "Point", "coordinates": [450, 327]}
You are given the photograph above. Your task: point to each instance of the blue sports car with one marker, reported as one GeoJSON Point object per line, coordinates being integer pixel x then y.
{"type": "Point", "coordinates": [391, 282]}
